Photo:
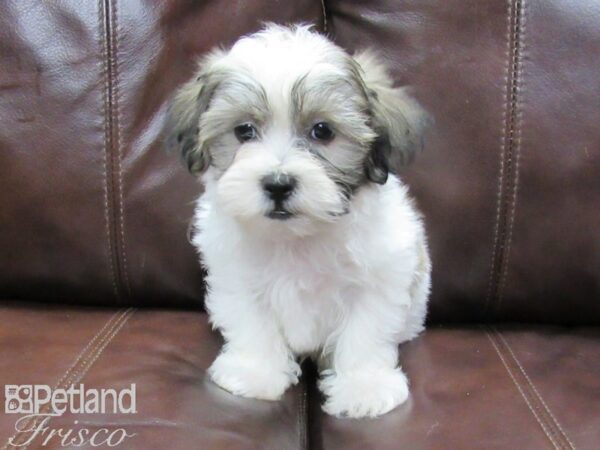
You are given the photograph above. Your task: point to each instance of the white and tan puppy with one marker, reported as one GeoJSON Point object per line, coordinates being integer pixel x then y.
{"type": "Point", "coordinates": [311, 248]}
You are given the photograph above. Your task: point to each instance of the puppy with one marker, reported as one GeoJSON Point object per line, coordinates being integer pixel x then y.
{"type": "Point", "coordinates": [312, 247]}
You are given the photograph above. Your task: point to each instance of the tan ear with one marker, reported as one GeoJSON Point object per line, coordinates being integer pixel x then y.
{"type": "Point", "coordinates": [183, 118]}
{"type": "Point", "coordinates": [396, 117]}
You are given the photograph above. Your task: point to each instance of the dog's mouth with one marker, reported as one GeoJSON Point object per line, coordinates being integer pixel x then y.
{"type": "Point", "coordinates": [279, 212]}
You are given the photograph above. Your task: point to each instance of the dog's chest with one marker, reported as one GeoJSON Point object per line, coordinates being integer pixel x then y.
{"type": "Point", "coordinates": [307, 291]}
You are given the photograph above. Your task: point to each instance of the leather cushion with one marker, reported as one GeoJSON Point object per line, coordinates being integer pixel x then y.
{"type": "Point", "coordinates": [506, 388]}
{"type": "Point", "coordinates": [166, 354]}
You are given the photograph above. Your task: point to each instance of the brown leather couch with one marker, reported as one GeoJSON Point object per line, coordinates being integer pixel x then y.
{"type": "Point", "coordinates": [100, 286]}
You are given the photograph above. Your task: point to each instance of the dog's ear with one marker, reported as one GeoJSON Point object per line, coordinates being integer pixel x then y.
{"type": "Point", "coordinates": [185, 111]}
{"type": "Point", "coordinates": [398, 120]}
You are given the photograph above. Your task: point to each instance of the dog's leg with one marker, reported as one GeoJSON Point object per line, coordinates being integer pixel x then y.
{"type": "Point", "coordinates": [255, 361]}
{"type": "Point", "coordinates": [361, 377]}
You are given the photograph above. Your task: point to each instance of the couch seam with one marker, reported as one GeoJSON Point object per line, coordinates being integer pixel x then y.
{"type": "Point", "coordinates": [302, 422]}
{"type": "Point", "coordinates": [99, 349]}
{"type": "Point", "coordinates": [106, 139]}
{"type": "Point", "coordinates": [503, 132]}
{"type": "Point", "coordinates": [551, 434]}
{"type": "Point", "coordinates": [519, 388]}
{"type": "Point", "coordinates": [75, 367]}
{"type": "Point", "coordinates": [509, 150]}
{"type": "Point", "coordinates": [72, 366]}
{"type": "Point", "coordinates": [519, 87]}
{"type": "Point", "coordinates": [113, 150]}
{"type": "Point", "coordinates": [538, 395]}
{"type": "Point", "coordinates": [324, 11]}
{"type": "Point", "coordinates": [118, 144]}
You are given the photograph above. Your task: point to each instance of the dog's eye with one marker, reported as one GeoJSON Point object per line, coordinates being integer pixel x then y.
{"type": "Point", "coordinates": [245, 132]}
{"type": "Point", "coordinates": [321, 132]}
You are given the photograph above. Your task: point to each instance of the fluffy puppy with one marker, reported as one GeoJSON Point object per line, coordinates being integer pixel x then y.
{"type": "Point", "coordinates": [312, 247]}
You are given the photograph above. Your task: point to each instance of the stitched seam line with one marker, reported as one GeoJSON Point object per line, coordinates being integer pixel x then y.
{"type": "Point", "coordinates": [89, 362]}
{"type": "Point", "coordinates": [511, 176]}
{"type": "Point", "coordinates": [106, 137]}
{"type": "Point", "coordinates": [324, 10]}
{"type": "Point", "coordinates": [518, 87]}
{"type": "Point", "coordinates": [506, 89]}
{"type": "Point", "coordinates": [531, 402]}
{"type": "Point", "coordinates": [516, 383]}
{"type": "Point", "coordinates": [113, 181]}
{"type": "Point", "coordinates": [509, 148]}
{"type": "Point", "coordinates": [112, 150]}
{"type": "Point", "coordinates": [69, 379]}
{"type": "Point", "coordinates": [74, 368]}
{"type": "Point", "coordinates": [560, 431]}
{"type": "Point", "coordinates": [118, 142]}
{"type": "Point", "coordinates": [71, 368]}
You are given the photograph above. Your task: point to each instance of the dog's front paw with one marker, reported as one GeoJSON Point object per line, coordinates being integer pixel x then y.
{"type": "Point", "coordinates": [249, 376]}
{"type": "Point", "coordinates": [363, 392]}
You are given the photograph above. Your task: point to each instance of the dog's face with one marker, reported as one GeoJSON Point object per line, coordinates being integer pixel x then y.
{"type": "Point", "coordinates": [286, 126]}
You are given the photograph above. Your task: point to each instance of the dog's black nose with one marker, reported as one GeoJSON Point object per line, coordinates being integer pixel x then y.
{"type": "Point", "coordinates": [279, 186]}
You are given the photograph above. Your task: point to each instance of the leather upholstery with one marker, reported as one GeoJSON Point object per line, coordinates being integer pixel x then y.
{"type": "Point", "coordinates": [488, 387]}
{"type": "Point", "coordinates": [508, 179]}
{"type": "Point", "coordinates": [93, 211]}
{"type": "Point", "coordinates": [91, 200]}
{"type": "Point", "coordinates": [492, 388]}
{"type": "Point", "coordinates": [165, 354]}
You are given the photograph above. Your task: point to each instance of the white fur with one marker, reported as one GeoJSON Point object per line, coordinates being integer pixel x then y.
{"type": "Point", "coordinates": [350, 294]}
{"type": "Point", "coordinates": [345, 288]}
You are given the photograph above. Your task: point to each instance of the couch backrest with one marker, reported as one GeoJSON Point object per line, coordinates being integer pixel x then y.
{"type": "Point", "coordinates": [92, 210]}
{"type": "Point", "coordinates": [510, 179]}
